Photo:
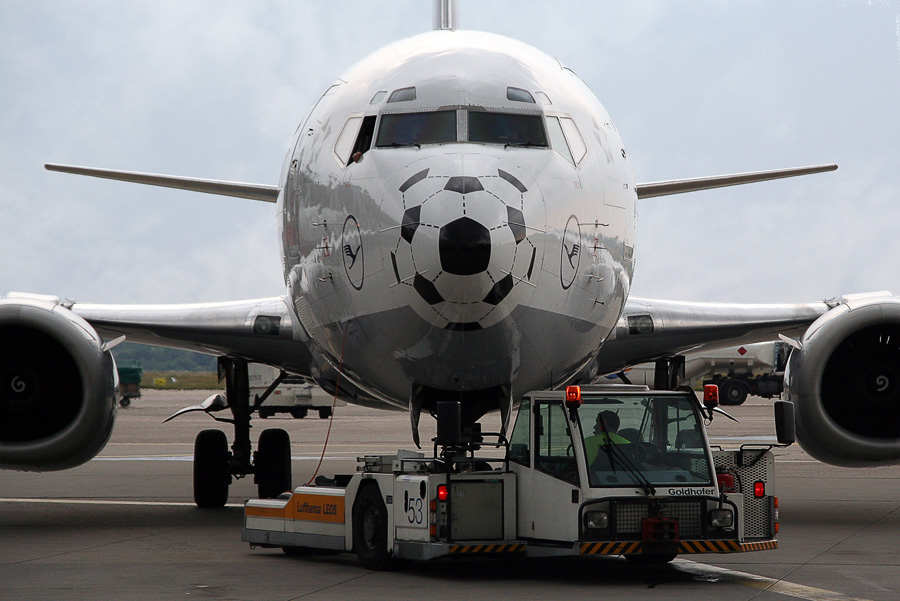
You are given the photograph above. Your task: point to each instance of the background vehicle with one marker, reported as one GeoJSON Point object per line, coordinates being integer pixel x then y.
{"type": "Point", "coordinates": [129, 384]}
{"type": "Point", "coordinates": [738, 371]}
{"type": "Point", "coordinates": [295, 395]}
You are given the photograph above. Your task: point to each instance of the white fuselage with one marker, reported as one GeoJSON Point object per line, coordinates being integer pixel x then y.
{"type": "Point", "coordinates": [457, 214]}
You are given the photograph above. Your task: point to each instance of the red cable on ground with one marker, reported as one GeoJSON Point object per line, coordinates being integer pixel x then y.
{"type": "Point", "coordinates": [337, 388]}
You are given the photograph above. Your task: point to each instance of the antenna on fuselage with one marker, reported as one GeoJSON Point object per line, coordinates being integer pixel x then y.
{"type": "Point", "coordinates": [446, 14]}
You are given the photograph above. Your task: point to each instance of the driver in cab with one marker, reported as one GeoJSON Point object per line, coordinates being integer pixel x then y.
{"type": "Point", "coordinates": [605, 431]}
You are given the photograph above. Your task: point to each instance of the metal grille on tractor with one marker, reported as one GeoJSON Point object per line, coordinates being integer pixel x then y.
{"type": "Point", "coordinates": [755, 466]}
{"type": "Point", "coordinates": [628, 516]}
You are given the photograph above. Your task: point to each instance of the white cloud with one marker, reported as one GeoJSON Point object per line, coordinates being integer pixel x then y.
{"type": "Point", "coordinates": [215, 90]}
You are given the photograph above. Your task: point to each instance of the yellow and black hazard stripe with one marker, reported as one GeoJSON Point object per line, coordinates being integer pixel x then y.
{"type": "Point", "coordinates": [488, 548]}
{"type": "Point", "coordinates": [617, 548]}
{"type": "Point", "coordinates": [685, 546]}
{"type": "Point", "coordinates": [724, 546]}
{"type": "Point", "coordinates": [761, 546]}
{"type": "Point", "coordinates": [709, 546]}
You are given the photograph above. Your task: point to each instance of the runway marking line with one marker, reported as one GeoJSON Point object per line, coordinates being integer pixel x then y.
{"type": "Point", "coordinates": [800, 591]}
{"type": "Point", "coordinates": [772, 585]}
{"type": "Point", "coordinates": [107, 502]}
{"type": "Point", "coordinates": [191, 458]}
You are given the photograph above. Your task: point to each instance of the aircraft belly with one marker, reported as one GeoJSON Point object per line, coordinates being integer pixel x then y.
{"type": "Point", "coordinates": [392, 351]}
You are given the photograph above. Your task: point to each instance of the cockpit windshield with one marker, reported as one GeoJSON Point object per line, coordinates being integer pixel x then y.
{"type": "Point", "coordinates": [412, 129]}
{"type": "Point", "coordinates": [633, 440]}
{"type": "Point", "coordinates": [506, 128]}
{"type": "Point", "coordinates": [461, 125]}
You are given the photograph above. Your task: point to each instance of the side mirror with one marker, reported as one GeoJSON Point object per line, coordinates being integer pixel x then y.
{"type": "Point", "coordinates": [784, 423]}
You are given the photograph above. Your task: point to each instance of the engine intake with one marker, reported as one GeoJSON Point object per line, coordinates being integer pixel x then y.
{"type": "Point", "coordinates": [845, 384]}
{"type": "Point", "coordinates": [57, 387]}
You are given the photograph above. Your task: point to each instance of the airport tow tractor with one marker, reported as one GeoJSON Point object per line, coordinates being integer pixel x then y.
{"type": "Point", "coordinates": [590, 470]}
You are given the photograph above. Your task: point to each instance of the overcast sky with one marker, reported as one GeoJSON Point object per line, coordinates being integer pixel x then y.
{"type": "Point", "coordinates": [215, 90]}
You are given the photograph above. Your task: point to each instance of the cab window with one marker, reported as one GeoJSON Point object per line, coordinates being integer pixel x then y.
{"type": "Point", "coordinates": [554, 450]}
{"type": "Point", "coordinates": [520, 440]}
{"type": "Point", "coordinates": [656, 438]}
{"type": "Point", "coordinates": [412, 129]}
{"type": "Point", "coordinates": [506, 128]}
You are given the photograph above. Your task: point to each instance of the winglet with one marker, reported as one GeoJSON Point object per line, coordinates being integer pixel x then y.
{"type": "Point", "coordinates": [251, 191]}
{"type": "Point", "coordinates": [680, 186]}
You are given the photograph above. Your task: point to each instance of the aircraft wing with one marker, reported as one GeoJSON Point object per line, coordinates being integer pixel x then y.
{"type": "Point", "coordinates": [259, 330]}
{"type": "Point", "coordinates": [681, 186]}
{"type": "Point", "coordinates": [654, 329]}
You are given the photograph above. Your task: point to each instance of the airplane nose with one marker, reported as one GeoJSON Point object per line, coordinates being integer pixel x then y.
{"type": "Point", "coordinates": [468, 246]}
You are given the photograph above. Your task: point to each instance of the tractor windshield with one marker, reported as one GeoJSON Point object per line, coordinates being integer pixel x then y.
{"type": "Point", "coordinates": [636, 440]}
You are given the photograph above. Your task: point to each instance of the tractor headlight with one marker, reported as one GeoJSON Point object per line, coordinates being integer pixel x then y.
{"type": "Point", "coordinates": [721, 518]}
{"type": "Point", "coordinates": [596, 520]}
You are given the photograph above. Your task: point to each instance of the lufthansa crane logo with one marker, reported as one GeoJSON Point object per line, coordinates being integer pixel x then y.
{"type": "Point", "coordinates": [570, 252]}
{"type": "Point", "coordinates": [352, 252]}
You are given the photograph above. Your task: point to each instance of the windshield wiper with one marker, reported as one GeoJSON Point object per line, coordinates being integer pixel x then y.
{"type": "Point", "coordinates": [400, 145]}
{"type": "Point", "coordinates": [524, 144]}
{"type": "Point", "coordinates": [611, 447]}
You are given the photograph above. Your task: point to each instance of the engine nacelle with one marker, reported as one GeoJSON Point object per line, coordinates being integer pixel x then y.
{"type": "Point", "coordinates": [845, 384]}
{"type": "Point", "coordinates": [57, 387]}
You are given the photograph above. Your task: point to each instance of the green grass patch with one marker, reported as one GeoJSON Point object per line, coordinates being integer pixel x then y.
{"type": "Point", "coordinates": [180, 380]}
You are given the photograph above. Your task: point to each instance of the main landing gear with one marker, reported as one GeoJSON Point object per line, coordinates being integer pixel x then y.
{"type": "Point", "coordinates": [215, 465]}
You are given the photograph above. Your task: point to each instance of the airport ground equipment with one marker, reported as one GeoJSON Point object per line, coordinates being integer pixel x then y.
{"type": "Point", "coordinates": [295, 395]}
{"type": "Point", "coordinates": [567, 483]}
{"type": "Point", "coordinates": [738, 371]}
{"type": "Point", "coordinates": [129, 384]}
{"type": "Point", "coordinates": [756, 369]}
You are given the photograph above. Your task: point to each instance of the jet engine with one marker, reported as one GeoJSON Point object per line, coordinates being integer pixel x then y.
{"type": "Point", "coordinates": [845, 384]}
{"type": "Point", "coordinates": [57, 386]}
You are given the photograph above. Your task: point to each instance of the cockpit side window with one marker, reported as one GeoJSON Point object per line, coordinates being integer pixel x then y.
{"type": "Point", "coordinates": [506, 128]}
{"type": "Point", "coordinates": [345, 140]}
{"type": "Point", "coordinates": [411, 129]}
{"type": "Point", "coordinates": [402, 95]}
{"type": "Point", "coordinates": [363, 138]}
{"type": "Point", "coordinates": [519, 95]}
{"type": "Point", "coordinates": [558, 139]}
{"type": "Point", "coordinates": [576, 142]}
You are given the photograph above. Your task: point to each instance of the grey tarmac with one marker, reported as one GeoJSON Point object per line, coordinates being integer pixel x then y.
{"type": "Point", "coordinates": [124, 526]}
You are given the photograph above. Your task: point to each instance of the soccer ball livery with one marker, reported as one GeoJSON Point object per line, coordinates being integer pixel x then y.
{"type": "Point", "coordinates": [463, 257]}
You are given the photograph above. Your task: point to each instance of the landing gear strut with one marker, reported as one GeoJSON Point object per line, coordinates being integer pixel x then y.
{"type": "Point", "coordinates": [669, 373]}
{"type": "Point", "coordinates": [214, 466]}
